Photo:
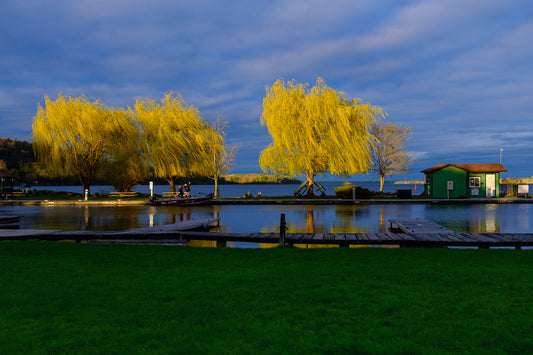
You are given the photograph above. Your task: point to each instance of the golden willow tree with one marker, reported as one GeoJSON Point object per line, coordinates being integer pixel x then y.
{"type": "Point", "coordinates": [174, 137]}
{"type": "Point", "coordinates": [71, 134]}
{"type": "Point", "coordinates": [316, 131]}
{"type": "Point", "coordinates": [124, 165]}
{"type": "Point", "coordinates": [221, 155]}
{"type": "Point", "coordinates": [389, 156]}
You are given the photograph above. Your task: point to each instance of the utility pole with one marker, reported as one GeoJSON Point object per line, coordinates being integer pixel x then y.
{"type": "Point", "coordinates": [501, 150]}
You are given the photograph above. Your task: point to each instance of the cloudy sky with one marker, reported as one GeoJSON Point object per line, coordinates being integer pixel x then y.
{"type": "Point", "coordinates": [458, 72]}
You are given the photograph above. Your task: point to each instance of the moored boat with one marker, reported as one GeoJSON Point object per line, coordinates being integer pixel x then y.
{"type": "Point", "coordinates": [182, 201]}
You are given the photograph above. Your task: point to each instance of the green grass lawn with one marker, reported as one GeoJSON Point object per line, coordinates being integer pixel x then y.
{"type": "Point", "coordinates": [90, 298]}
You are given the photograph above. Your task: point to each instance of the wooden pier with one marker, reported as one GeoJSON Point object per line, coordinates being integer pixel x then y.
{"type": "Point", "coordinates": [11, 222]}
{"type": "Point", "coordinates": [417, 225]}
{"type": "Point", "coordinates": [412, 234]}
{"type": "Point", "coordinates": [403, 240]}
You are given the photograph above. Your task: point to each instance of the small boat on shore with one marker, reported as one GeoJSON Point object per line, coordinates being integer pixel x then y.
{"type": "Point", "coordinates": [182, 201]}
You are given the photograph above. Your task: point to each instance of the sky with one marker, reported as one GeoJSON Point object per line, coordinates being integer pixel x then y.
{"type": "Point", "coordinates": [459, 73]}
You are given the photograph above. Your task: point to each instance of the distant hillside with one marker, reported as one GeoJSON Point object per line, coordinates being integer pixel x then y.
{"type": "Point", "coordinates": [259, 179]}
{"type": "Point", "coordinates": [15, 153]}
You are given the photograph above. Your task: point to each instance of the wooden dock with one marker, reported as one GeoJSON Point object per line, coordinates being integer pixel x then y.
{"type": "Point", "coordinates": [164, 234]}
{"type": "Point", "coordinates": [11, 222]}
{"type": "Point", "coordinates": [403, 240]}
{"type": "Point", "coordinates": [417, 226]}
{"type": "Point", "coordinates": [413, 234]}
{"type": "Point", "coordinates": [9, 219]}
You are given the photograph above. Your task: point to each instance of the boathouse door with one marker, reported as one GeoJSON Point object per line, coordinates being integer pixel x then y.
{"type": "Point", "coordinates": [490, 182]}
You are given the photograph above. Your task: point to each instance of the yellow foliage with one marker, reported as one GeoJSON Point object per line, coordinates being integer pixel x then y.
{"type": "Point", "coordinates": [175, 136]}
{"type": "Point", "coordinates": [316, 131]}
{"type": "Point", "coordinates": [70, 135]}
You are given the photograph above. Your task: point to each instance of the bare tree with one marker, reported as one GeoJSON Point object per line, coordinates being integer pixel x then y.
{"type": "Point", "coordinates": [222, 155]}
{"type": "Point", "coordinates": [389, 156]}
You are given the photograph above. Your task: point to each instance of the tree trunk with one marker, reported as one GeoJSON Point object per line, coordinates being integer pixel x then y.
{"type": "Point", "coordinates": [310, 184]}
{"type": "Point", "coordinates": [381, 182]}
{"type": "Point", "coordinates": [85, 182]}
{"type": "Point", "coordinates": [86, 187]}
{"type": "Point", "coordinates": [172, 184]}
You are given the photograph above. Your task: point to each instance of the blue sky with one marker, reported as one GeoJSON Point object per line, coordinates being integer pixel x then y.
{"type": "Point", "coordinates": [458, 72]}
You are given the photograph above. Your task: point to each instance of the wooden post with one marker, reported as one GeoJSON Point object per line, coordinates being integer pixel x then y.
{"type": "Point", "coordinates": [282, 229]}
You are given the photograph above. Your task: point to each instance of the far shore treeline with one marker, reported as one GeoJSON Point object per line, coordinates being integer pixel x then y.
{"type": "Point", "coordinates": [315, 131]}
{"type": "Point", "coordinates": [17, 158]}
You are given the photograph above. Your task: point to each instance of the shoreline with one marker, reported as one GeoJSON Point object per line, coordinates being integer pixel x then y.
{"type": "Point", "coordinates": [274, 201]}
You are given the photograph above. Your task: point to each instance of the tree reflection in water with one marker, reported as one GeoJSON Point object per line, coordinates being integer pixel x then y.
{"type": "Point", "coordinates": [351, 218]}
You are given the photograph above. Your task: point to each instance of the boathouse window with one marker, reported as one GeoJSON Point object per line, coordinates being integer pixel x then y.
{"type": "Point", "coordinates": [475, 182]}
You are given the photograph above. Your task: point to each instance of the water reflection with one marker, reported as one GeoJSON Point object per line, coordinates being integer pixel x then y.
{"type": "Point", "coordinates": [471, 219]}
{"type": "Point", "coordinates": [493, 218]}
{"type": "Point", "coordinates": [348, 219]}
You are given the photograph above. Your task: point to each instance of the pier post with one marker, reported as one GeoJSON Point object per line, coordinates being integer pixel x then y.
{"type": "Point", "coordinates": [282, 229]}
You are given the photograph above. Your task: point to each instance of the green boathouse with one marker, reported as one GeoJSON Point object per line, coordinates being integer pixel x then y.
{"type": "Point", "coordinates": [463, 180]}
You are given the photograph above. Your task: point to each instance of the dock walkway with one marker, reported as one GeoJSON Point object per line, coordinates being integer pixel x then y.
{"type": "Point", "coordinates": [412, 233]}
{"type": "Point", "coordinates": [404, 240]}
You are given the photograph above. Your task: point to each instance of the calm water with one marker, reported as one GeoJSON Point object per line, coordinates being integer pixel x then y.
{"type": "Point", "coordinates": [508, 218]}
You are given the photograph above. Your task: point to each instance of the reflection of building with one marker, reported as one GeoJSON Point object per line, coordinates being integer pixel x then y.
{"type": "Point", "coordinates": [463, 180]}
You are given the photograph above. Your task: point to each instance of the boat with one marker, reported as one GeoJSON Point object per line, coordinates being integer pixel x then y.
{"type": "Point", "coordinates": [182, 201]}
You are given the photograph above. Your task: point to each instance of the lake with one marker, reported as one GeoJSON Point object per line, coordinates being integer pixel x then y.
{"type": "Point", "coordinates": [473, 218]}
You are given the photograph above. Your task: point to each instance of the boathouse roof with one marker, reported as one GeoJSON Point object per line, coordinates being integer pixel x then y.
{"type": "Point", "coordinates": [470, 168]}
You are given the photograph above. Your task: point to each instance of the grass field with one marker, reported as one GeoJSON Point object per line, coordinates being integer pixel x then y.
{"type": "Point", "coordinates": [96, 299]}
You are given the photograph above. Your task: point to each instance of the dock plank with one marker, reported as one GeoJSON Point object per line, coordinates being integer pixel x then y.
{"type": "Point", "coordinates": [417, 225]}
{"type": "Point", "coordinates": [350, 237]}
{"type": "Point", "coordinates": [373, 237]}
{"type": "Point", "coordinates": [318, 236]}
{"type": "Point", "coordinates": [339, 237]}
{"type": "Point", "coordinates": [179, 226]}
{"type": "Point", "coordinates": [362, 237]}
{"type": "Point", "coordinates": [4, 219]}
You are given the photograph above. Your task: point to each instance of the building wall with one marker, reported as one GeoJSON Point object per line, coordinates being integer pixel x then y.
{"type": "Point", "coordinates": [482, 193]}
{"type": "Point", "coordinates": [439, 183]}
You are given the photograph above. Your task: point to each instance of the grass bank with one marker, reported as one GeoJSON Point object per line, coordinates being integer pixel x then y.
{"type": "Point", "coordinates": [85, 298]}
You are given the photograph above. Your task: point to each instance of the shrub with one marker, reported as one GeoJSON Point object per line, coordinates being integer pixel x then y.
{"type": "Point", "coordinates": [346, 191]}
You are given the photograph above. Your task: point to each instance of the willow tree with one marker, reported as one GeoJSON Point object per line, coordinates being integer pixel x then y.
{"type": "Point", "coordinates": [174, 137]}
{"type": "Point", "coordinates": [389, 155]}
{"type": "Point", "coordinates": [124, 165]}
{"type": "Point", "coordinates": [316, 131]}
{"type": "Point", "coordinates": [221, 155]}
{"type": "Point", "coordinates": [71, 134]}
